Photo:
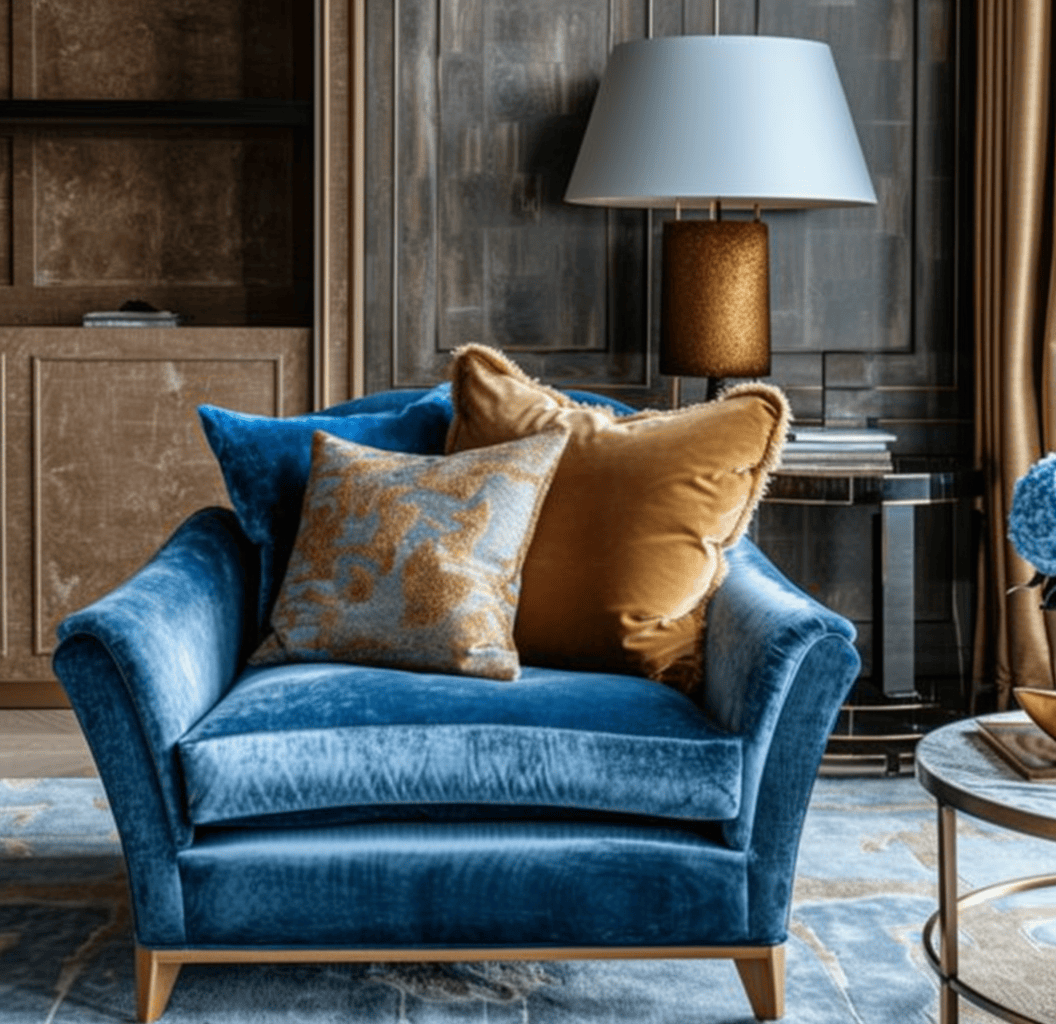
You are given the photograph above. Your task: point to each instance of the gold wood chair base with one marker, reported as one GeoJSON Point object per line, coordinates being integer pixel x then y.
{"type": "Point", "coordinates": [761, 968]}
{"type": "Point", "coordinates": [155, 977]}
{"type": "Point", "coordinates": [763, 979]}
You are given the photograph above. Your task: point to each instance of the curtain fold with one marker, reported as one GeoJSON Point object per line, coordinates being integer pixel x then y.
{"type": "Point", "coordinates": [1015, 323]}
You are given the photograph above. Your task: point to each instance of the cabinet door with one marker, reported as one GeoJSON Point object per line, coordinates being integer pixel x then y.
{"type": "Point", "coordinates": [103, 457]}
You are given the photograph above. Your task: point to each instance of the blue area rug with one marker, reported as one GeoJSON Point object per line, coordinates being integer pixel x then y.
{"type": "Point", "coordinates": [866, 884]}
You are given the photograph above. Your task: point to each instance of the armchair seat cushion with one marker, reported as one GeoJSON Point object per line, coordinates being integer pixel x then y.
{"type": "Point", "coordinates": [327, 737]}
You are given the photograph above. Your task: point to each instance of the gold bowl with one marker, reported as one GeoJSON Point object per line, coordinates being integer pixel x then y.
{"type": "Point", "coordinates": [1040, 705]}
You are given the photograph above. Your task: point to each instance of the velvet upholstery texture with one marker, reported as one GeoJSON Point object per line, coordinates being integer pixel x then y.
{"type": "Point", "coordinates": [396, 401]}
{"type": "Point", "coordinates": [299, 738]}
{"type": "Point", "coordinates": [452, 885]}
{"type": "Point", "coordinates": [140, 667]}
{"type": "Point", "coordinates": [412, 561]}
{"type": "Point", "coordinates": [265, 462]}
{"type": "Point", "coordinates": [157, 674]}
{"type": "Point", "coordinates": [629, 546]}
{"type": "Point", "coordinates": [776, 691]}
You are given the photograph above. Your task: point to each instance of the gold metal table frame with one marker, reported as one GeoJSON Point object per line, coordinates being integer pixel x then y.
{"type": "Point", "coordinates": [962, 774]}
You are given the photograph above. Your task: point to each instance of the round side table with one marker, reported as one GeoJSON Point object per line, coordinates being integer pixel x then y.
{"type": "Point", "coordinates": [957, 765]}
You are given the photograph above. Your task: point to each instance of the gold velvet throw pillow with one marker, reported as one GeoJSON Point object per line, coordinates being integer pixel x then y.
{"type": "Point", "coordinates": [629, 544]}
{"type": "Point", "coordinates": [411, 561]}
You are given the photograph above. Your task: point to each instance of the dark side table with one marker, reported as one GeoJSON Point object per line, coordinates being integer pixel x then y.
{"type": "Point", "coordinates": [896, 497]}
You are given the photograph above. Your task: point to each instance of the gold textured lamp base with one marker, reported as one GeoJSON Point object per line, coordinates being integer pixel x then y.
{"type": "Point", "coordinates": [716, 299]}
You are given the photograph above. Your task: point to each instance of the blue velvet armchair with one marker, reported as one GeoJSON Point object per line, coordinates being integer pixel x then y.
{"type": "Point", "coordinates": [335, 812]}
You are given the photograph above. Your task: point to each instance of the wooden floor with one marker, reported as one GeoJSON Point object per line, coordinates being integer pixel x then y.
{"type": "Point", "coordinates": [42, 745]}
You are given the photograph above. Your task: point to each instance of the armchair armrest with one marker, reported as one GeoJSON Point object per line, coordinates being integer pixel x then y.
{"type": "Point", "coordinates": [141, 666]}
{"type": "Point", "coordinates": [778, 666]}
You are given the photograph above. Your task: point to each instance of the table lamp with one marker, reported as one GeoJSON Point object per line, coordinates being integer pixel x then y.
{"type": "Point", "coordinates": [719, 123]}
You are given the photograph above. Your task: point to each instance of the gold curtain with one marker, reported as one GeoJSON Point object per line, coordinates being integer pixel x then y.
{"type": "Point", "coordinates": [1015, 322]}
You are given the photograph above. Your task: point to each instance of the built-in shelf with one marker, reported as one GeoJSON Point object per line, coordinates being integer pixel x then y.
{"type": "Point", "coordinates": [263, 113]}
{"type": "Point", "coordinates": [197, 175]}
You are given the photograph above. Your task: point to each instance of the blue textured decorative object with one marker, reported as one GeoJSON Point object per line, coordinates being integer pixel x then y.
{"type": "Point", "coordinates": [1032, 524]}
{"type": "Point", "coordinates": [333, 811]}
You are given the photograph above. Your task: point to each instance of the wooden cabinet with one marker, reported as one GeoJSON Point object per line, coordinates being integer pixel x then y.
{"type": "Point", "coordinates": [189, 154]}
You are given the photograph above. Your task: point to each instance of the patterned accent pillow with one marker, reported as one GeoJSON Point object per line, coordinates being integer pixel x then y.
{"type": "Point", "coordinates": [412, 561]}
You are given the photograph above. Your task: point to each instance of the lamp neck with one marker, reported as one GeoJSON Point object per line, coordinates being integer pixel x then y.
{"type": "Point", "coordinates": [715, 210]}
{"type": "Point", "coordinates": [715, 16]}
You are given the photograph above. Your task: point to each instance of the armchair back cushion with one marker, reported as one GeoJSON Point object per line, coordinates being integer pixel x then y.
{"type": "Point", "coordinates": [265, 460]}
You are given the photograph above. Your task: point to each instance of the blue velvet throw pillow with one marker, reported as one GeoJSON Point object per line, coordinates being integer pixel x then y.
{"type": "Point", "coordinates": [265, 463]}
{"type": "Point", "coordinates": [412, 561]}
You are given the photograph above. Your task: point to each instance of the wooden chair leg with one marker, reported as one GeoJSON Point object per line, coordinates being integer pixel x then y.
{"type": "Point", "coordinates": [763, 979]}
{"type": "Point", "coordinates": [154, 981]}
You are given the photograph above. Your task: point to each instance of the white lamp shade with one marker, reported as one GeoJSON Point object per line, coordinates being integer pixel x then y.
{"type": "Point", "coordinates": [744, 120]}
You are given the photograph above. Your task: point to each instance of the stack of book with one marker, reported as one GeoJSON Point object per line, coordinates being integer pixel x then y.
{"type": "Point", "coordinates": [131, 318]}
{"type": "Point", "coordinates": [837, 450]}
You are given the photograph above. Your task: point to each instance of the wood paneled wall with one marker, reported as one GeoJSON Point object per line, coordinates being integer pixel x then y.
{"type": "Point", "coordinates": [475, 116]}
{"type": "Point", "coordinates": [475, 113]}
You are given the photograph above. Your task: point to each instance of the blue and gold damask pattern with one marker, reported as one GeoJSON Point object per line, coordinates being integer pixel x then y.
{"type": "Point", "coordinates": [412, 561]}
